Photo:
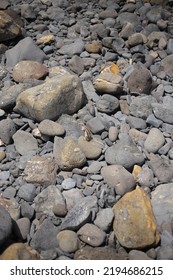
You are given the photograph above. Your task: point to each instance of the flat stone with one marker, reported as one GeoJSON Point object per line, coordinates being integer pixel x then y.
{"type": "Point", "coordinates": [116, 176]}
{"type": "Point", "coordinates": [137, 135]}
{"type": "Point", "coordinates": [41, 170]}
{"type": "Point", "coordinates": [68, 153]}
{"type": "Point", "coordinates": [167, 63]}
{"type": "Point", "coordinates": [23, 228]}
{"type": "Point", "coordinates": [20, 251]}
{"type": "Point", "coordinates": [68, 241]}
{"type": "Point", "coordinates": [155, 140]}
{"type": "Point", "coordinates": [99, 253]}
{"type": "Point", "coordinates": [134, 224]}
{"type": "Point", "coordinates": [113, 133]}
{"type": "Point", "coordinates": [96, 125]}
{"type": "Point", "coordinates": [138, 255]}
{"type": "Point", "coordinates": [76, 64]}
{"type": "Point", "coordinates": [74, 48]}
{"type": "Point", "coordinates": [141, 106]}
{"type": "Point", "coordinates": [11, 206]}
{"type": "Point", "coordinates": [7, 130]}
{"type": "Point", "coordinates": [163, 112]}
{"type": "Point", "coordinates": [27, 192]}
{"type": "Point", "coordinates": [51, 128]}
{"type": "Point", "coordinates": [27, 69]}
{"type": "Point", "coordinates": [68, 183]}
{"type": "Point", "coordinates": [72, 197]}
{"type": "Point", "coordinates": [162, 200]}
{"type": "Point", "coordinates": [136, 123]}
{"type": "Point", "coordinates": [91, 235]}
{"type": "Point", "coordinates": [24, 142]}
{"type": "Point", "coordinates": [94, 167]}
{"type": "Point", "coordinates": [60, 94]}
{"type": "Point", "coordinates": [104, 219]}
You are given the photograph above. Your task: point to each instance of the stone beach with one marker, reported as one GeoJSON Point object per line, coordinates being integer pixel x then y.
{"type": "Point", "coordinates": [86, 130]}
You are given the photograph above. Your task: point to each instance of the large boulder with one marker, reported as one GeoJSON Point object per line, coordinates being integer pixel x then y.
{"type": "Point", "coordinates": [61, 94]}
{"type": "Point", "coordinates": [9, 29]}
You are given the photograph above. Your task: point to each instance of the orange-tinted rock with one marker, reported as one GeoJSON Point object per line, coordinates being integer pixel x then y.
{"type": "Point", "coordinates": [28, 69]}
{"type": "Point", "coordinates": [19, 251]}
{"type": "Point", "coordinates": [93, 47]}
{"type": "Point", "coordinates": [134, 223]}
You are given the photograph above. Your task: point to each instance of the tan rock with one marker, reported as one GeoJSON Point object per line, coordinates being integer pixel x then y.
{"type": "Point", "coordinates": [68, 154]}
{"type": "Point", "coordinates": [92, 149]}
{"type": "Point", "coordinates": [11, 206]}
{"type": "Point", "coordinates": [9, 29]}
{"type": "Point", "coordinates": [46, 39]}
{"type": "Point", "coordinates": [61, 94]}
{"type": "Point", "coordinates": [28, 69]}
{"type": "Point", "coordinates": [93, 47]}
{"type": "Point", "coordinates": [107, 82]}
{"type": "Point", "coordinates": [51, 128]}
{"type": "Point", "coordinates": [136, 170]}
{"type": "Point", "coordinates": [134, 224]}
{"type": "Point", "coordinates": [2, 155]}
{"type": "Point", "coordinates": [137, 135]}
{"type": "Point", "coordinates": [41, 170]}
{"type": "Point", "coordinates": [20, 251]}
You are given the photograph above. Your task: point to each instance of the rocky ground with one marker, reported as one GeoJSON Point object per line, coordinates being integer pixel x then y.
{"type": "Point", "coordinates": [86, 130]}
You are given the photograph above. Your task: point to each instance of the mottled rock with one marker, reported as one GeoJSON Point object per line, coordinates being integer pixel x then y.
{"type": "Point", "coordinates": [137, 135]}
{"type": "Point", "coordinates": [134, 224]}
{"type": "Point", "coordinates": [92, 149]}
{"type": "Point", "coordinates": [41, 170]}
{"type": "Point", "coordinates": [60, 94]}
{"type": "Point", "coordinates": [108, 83]}
{"type": "Point", "coordinates": [24, 142]}
{"type": "Point", "coordinates": [155, 140]}
{"type": "Point", "coordinates": [141, 106]}
{"type": "Point", "coordinates": [7, 130]}
{"type": "Point", "coordinates": [91, 235]}
{"type": "Point", "coordinates": [116, 176]}
{"type": "Point", "coordinates": [68, 153]}
{"type": "Point", "coordinates": [167, 65]}
{"type": "Point", "coordinates": [51, 128]}
{"type": "Point", "coordinates": [20, 251]}
{"type": "Point", "coordinates": [11, 206]}
{"type": "Point", "coordinates": [27, 69]}
{"type": "Point", "coordinates": [68, 241]}
{"type": "Point", "coordinates": [93, 47]}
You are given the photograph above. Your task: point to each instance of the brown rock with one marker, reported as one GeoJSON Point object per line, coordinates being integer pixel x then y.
{"type": "Point", "coordinates": [46, 39]}
{"type": "Point", "coordinates": [93, 47]}
{"type": "Point", "coordinates": [134, 223]}
{"type": "Point", "coordinates": [107, 82]}
{"type": "Point", "coordinates": [28, 69]}
{"type": "Point", "coordinates": [20, 251]}
{"type": "Point", "coordinates": [9, 29]}
{"type": "Point", "coordinates": [137, 135]}
{"type": "Point", "coordinates": [99, 253]}
{"type": "Point", "coordinates": [136, 170]}
{"type": "Point", "coordinates": [11, 206]}
{"type": "Point", "coordinates": [51, 128]}
{"type": "Point", "coordinates": [41, 170]}
{"type": "Point", "coordinates": [92, 149]}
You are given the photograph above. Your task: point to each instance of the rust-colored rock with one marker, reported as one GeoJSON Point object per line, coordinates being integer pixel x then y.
{"type": "Point", "coordinates": [28, 69]}
{"type": "Point", "coordinates": [134, 223]}
{"type": "Point", "coordinates": [19, 251]}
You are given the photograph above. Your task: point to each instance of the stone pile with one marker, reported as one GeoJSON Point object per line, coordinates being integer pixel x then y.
{"type": "Point", "coordinates": [86, 130]}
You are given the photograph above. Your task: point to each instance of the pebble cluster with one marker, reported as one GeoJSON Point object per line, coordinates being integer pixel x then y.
{"type": "Point", "coordinates": [86, 129]}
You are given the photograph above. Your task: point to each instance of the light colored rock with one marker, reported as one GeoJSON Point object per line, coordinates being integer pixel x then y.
{"type": "Point", "coordinates": [108, 83]}
{"type": "Point", "coordinates": [51, 128]}
{"type": "Point", "coordinates": [92, 149]}
{"type": "Point", "coordinates": [91, 235]}
{"type": "Point", "coordinates": [24, 142]}
{"type": "Point", "coordinates": [68, 241]}
{"type": "Point", "coordinates": [61, 94]}
{"type": "Point", "coordinates": [155, 140]}
{"type": "Point", "coordinates": [134, 224]}
{"type": "Point", "coordinates": [20, 251]}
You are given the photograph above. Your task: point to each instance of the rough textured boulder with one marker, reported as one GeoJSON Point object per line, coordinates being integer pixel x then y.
{"type": "Point", "coordinates": [9, 29]}
{"type": "Point", "coordinates": [61, 94]}
{"type": "Point", "coordinates": [134, 223]}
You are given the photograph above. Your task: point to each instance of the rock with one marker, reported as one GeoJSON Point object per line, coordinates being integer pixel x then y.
{"type": "Point", "coordinates": [107, 104]}
{"type": "Point", "coordinates": [135, 39]}
{"type": "Point", "coordinates": [108, 83]}
{"type": "Point", "coordinates": [4, 4]}
{"type": "Point", "coordinates": [22, 228]}
{"type": "Point", "coordinates": [80, 214]}
{"type": "Point", "coordinates": [7, 130]}
{"type": "Point", "coordinates": [9, 29]}
{"type": "Point", "coordinates": [41, 170]}
{"type": "Point", "coordinates": [72, 197]}
{"type": "Point", "coordinates": [124, 152]}
{"type": "Point", "coordinates": [154, 37]}
{"type": "Point", "coordinates": [51, 128]}
{"type": "Point", "coordinates": [68, 241]}
{"type": "Point", "coordinates": [137, 135]}
{"type": "Point", "coordinates": [94, 167]}
{"type": "Point", "coordinates": [45, 236]}
{"type": "Point", "coordinates": [104, 219]}
{"type": "Point", "coordinates": [27, 210]}
{"type": "Point", "coordinates": [140, 80]}
{"type": "Point", "coordinates": [93, 47]}
{"type": "Point", "coordinates": [116, 176]}
{"type": "Point", "coordinates": [2, 155]}
{"type": "Point", "coordinates": [11, 206]}
{"type": "Point", "coordinates": [134, 223]}
{"type": "Point", "coordinates": [163, 112]}
{"type": "Point", "coordinates": [68, 184]}
{"type": "Point", "coordinates": [161, 199]}
{"type": "Point", "coordinates": [166, 65]}
{"type": "Point", "coordinates": [91, 235]}
{"type": "Point", "coordinates": [136, 123]}
{"type": "Point", "coordinates": [6, 225]}
{"type": "Point", "coordinates": [155, 140]}
{"type": "Point", "coordinates": [76, 64]}
{"type": "Point", "coordinates": [20, 251]}
{"type": "Point", "coordinates": [162, 168]}
{"type": "Point", "coordinates": [24, 142]}
{"type": "Point", "coordinates": [138, 255]}
{"type": "Point", "coordinates": [145, 178]}
{"type": "Point", "coordinates": [113, 133]}
{"type": "Point", "coordinates": [27, 69]}
{"type": "Point", "coordinates": [74, 48]}
{"type": "Point", "coordinates": [141, 106]}
{"type": "Point", "coordinates": [91, 149]}
{"type": "Point", "coordinates": [95, 125]}
{"type": "Point", "coordinates": [26, 49]}
{"type": "Point", "coordinates": [60, 94]}
{"type": "Point", "coordinates": [99, 253]}
{"type": "Point", "coordinates": [27, 192]}
{"type": "Point", "coordinates": [68, 153]}
{"type": "Point", "coordinates": [165, 253]}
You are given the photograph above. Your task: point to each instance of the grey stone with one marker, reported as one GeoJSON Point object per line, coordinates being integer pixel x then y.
{"type": "Point", "coordinates": [24, 142]}
{"type": "Point", "coordinates": [167, 65]}
{"type": "Point", "coordinates": [72, 197]}
{"type": "Point", "coordinates": [27, 192]}
{"type": "Point", "coordinates": [163, 112]}
{"type": "Point", "coordinates": [94, 167]}
{"type": "Point", "coordinates": [4, 175]}
{"type": "Point", "coordinates": [22, 228]}
{"type": "Point", "coordinates": [27, 210]}
{"type": "Point", "coordinates": [6, 225]}
{"type": "Point", "coordinates": [74, 48]}
{"type": "Point", "coordinates": [91, 235]}
{"type": "Point", "coordinates": [107, 104]}
{"type": "Point", "coordinates": [68, 241]}
{"type": "Point", "coordinates": [26, 49]}
{"type": "Point", "coordinates": [162, 168]}
{"type": "Point", "coordinates": [104, 219]}
{"type": "Point", "coordinates": [7, 130]}
{"type": "Point", "coordinates": [68, 184]}
{"type": "Point", "coordinates": [141, 106]}
{"type": "Point", "coordinates": [152, 120]}
{"type": "Point", "coordinates": [136, 123]}
{"type": "Point", "coordinates": [76, 64]}
{"type": "Point", "coordinates": [138, 255]}
{"type": "Point", "coordinates": [96, 125]}
{"type": "Point", "coordinates": [155, 140]}
{"type": "Point", "coordinates": [165, 253]}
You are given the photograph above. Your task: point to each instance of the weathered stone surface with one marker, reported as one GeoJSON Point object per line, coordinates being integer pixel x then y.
{"type": "Point", "coordinates": [51, 128]}
{"type": "Point", "coordinates": [68, 153]}
{"type": "Point", "coordinates": [163, 112]}
{"type": "Point", "coordinates": [24, 142]}
{"type": "Point", "coordinates": [116, 176]}
{"type": "Point", "coordinates": [28, 69]}
{"type": "Point", "coordinates": [7, 130]}
{"type": "Point", "coordinates": [11, 206]}
{"type": "Point", "coordinates": [68, 241]}
{"type": "Point", "coordinates": [41, 170]}
{"type": "Point", "coordinates": [9, 29]}
{"type": "Point", "coordinates": [162, 203]}
{"type": "Point", "coordinates": [108, 83]}
{"type": "Point", "coordinates": [167, 65]}
{"type": "Point", "coordinates": [99, 253]}
{"type": "Point", "coordinates": [60, 94]}
{"type": "Point", "coordinates": [92, 235]}
{"type": "Point", "coordinates": [92, 149]}
{"type": "Point", "coordinates": [5, 225]}
{"type": "Point", "coordinates": [134, 224]}
{"type": "Point", "coordinates": [154, 141]}
{"type": "Point", "coordinates": [20, 251]}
